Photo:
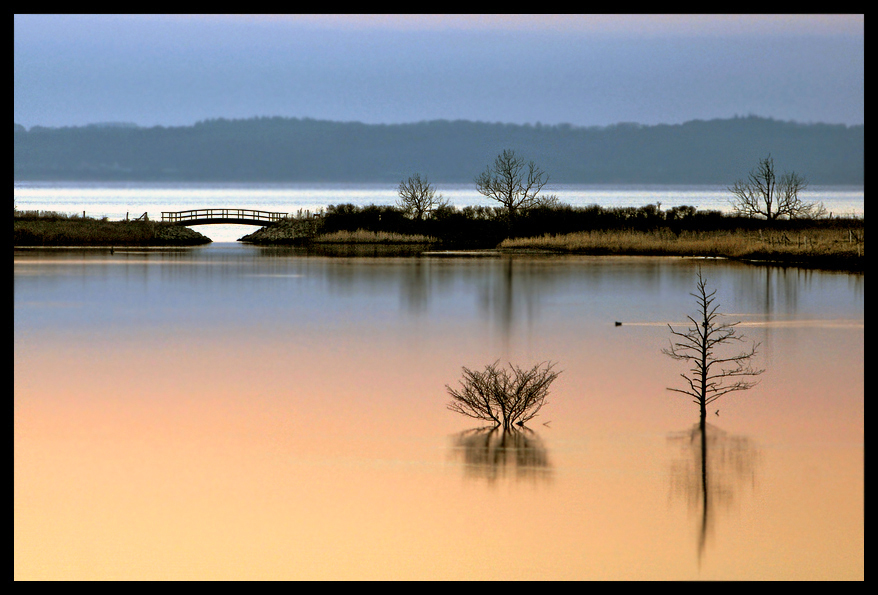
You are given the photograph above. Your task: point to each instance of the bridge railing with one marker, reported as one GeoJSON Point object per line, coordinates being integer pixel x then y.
{"type": "Point", "coordinates": [201, 214]}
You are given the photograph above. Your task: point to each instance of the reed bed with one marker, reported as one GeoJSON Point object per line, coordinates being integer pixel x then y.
{"type": "Point", "coordinates": [362, 236]}
{"type": "Point", "coordinates": [790, 246]}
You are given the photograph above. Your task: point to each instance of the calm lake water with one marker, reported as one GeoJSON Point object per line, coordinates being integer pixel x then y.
{"type": "Point", "coordinates": [236, 412]}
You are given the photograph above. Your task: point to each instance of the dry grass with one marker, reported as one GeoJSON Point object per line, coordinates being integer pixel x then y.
{"type": "Point", "coordinates": [45, 215]}
{"type": "Point", "coordinates": [362, 236]}
{"type": "Point", "coordinates": [804, 246]}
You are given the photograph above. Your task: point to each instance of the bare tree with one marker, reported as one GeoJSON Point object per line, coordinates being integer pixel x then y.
{"type": "Point", "coordinates": [514, 183]}
{"type": "Point", "coordinates": [763, 194]}
{"type": "Point", "coordinates": [501, 396]}
{"type": "Point", "coordinates": [710, 376]}
{"type": "Point", "coordinates": [417, 197]}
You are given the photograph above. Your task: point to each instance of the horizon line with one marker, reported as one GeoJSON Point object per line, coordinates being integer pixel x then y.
{"type": "Point", "coordinates": [536, 124]}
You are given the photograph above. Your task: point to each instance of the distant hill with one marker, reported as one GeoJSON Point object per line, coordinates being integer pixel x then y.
{"type": "Point", "coordinates": [306, 150]}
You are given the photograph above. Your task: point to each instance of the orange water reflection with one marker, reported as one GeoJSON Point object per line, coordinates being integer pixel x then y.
{"type": "Point", "coordinates": [267, 451]}
{"type": "Point", "coordinates": [710, 471]}
{"type": "Point", "coordinates": [493, 453]}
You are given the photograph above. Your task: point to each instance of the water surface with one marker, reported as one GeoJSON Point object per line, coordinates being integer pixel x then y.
{"type": "Point", "coordinates": [235, 412]}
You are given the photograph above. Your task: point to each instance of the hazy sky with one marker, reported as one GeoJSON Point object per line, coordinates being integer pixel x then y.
{"type": "Point", "coordinates": [580, 69]}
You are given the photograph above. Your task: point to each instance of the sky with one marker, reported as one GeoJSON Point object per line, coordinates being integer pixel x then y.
{"type": "Point", "coordinates": [584, 70]}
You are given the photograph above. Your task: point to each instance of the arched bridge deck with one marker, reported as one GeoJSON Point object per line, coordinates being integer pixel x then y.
{"type": "Point", "coordinates": [208, 216]}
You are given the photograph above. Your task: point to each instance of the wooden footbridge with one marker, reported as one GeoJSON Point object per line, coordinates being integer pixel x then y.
{"type": "Point", "coordinates": [209, 216]}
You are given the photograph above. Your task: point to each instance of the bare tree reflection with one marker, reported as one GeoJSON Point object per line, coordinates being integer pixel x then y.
{"type": "Point", "coordinates": [712, 467]}
{"type": "Point", "coordinates": [493, 453]}
{"type": "Point", "coordinates": [512, 291]}
{"type": "Point", "coordinates": [416, 285]}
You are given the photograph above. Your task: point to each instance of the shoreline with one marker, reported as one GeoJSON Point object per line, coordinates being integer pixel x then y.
{"type": "Point", "coordinates": [809, 247]}
{"type": "Point", "coordinates": [37, 231]}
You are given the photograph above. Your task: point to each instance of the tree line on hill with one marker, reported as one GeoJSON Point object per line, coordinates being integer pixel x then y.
{"type": "Point", "coordinates": [278, 149]}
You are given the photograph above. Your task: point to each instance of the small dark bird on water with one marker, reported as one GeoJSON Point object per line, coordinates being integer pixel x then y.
{"type": "Point", "coordinates": [618, 323]}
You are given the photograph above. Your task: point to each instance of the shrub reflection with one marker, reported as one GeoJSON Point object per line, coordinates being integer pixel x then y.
{"type": "Point", "coordinates": [493, 453]}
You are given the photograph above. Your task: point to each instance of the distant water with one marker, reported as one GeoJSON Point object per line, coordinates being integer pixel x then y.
{"type": "Point", "coordinates": [116, 200]}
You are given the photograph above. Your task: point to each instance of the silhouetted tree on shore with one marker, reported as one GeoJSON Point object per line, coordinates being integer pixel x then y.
{"type": "Point", "coordinates": [710, 375]}
{"type": "Point", "coordinates": [418, 198]}
{"type": "Point", "coordinates": [514, 183]}
{"type": "Point", "coordinates": [763, 194]}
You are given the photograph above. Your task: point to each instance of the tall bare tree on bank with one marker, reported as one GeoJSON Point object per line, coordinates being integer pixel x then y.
{"type": "Point", "coordinates": [710, 375]}
{"type": "Point", "coordinates": [763, 194]}
{"type": "Point", "coordinates": [514, 183]}
{"type": "Point", "coordinates": [417, 197]}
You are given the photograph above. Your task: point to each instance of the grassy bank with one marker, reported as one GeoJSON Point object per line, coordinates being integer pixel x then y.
{"type": "Point", "coordinates": [836, 243]}
{"type": "Point", "coordinates": [313, 231]}
{"type": "Point", "coordinates": [841, 249]}
{"type": "Point", "coordinates": [31, 228]}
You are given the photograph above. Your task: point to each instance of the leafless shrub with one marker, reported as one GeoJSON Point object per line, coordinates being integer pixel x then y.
{"type": "Point", "coordinates": [503, 396]}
